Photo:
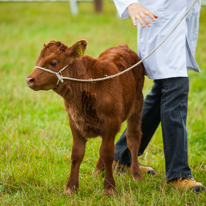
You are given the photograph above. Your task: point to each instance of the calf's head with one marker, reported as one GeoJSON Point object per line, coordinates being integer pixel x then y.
{"type": "Point", "coordinates": [54, 56]}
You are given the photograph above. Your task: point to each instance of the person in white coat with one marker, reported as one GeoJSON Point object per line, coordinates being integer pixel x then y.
{"type": "Point", "coordinates": [167, 101]}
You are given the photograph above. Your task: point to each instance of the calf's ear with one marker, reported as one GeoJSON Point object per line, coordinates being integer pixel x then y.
{"type": "Point", "coordinates": [77, 50]}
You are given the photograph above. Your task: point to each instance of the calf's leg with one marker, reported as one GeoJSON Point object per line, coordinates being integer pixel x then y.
{"type": "Point", "coordinates": [107, 157]}
{"type": "Point", "coordinates": [78, 150]}
{"type": "Point", "coordinates": [99, 167]}
{"type": "Point", "coordinates": [133, 135]}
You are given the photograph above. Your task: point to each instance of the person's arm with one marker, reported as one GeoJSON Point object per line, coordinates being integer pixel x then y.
{"type": "Point", "coordinates": [139, 12]}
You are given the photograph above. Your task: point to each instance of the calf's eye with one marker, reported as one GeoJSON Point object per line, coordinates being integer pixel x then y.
{"type": "Point", "coordinates": [53, 63]}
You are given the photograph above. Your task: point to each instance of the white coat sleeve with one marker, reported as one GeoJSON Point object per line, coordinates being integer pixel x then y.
{"type": "Point", "coordinates": [122, 5]}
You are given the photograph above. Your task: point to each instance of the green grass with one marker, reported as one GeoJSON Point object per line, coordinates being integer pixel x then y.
{"type": "Point", "coordinates": [35, 138]}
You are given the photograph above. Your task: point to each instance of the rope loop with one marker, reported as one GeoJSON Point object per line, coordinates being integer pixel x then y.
{"type": "Point", "coordinates": [60, 77]}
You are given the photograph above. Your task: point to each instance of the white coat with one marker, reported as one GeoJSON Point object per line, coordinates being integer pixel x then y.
{"type": "Point", "coordinates": [176, 55]}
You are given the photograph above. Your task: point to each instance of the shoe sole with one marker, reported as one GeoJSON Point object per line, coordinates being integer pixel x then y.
{"type": "Point", "coordinates": [151, 172]}
{"type": "Point", "coordinates": [123, 170]}
{"type": "Point", "coordinates": [198, 188]}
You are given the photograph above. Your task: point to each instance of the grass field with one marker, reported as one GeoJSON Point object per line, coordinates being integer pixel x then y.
{"type": "Point", "coordinates": [35, 138]}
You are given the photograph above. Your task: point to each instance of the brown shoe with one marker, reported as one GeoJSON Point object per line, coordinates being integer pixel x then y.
{"type": "Point", "coordinates": [187, 184]}
{"type": "Point", "coordinates": [123, 168]}
{"type": "Point", "coordinates": [147, 170]}
{"type": "Point", "coordinates": [119, 168]}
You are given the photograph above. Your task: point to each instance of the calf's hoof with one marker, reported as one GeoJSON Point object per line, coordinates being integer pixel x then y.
{"type": "Point", "coordinates": [137, 177]}
{"type": "Point", "coordinates": [99, 168]}
{"type": "Point", "coordinates": [136, 174]}
{"type": "Point", "coordinates": [110, 191]}
{"type": "Point", "coordinates": [96, 171]}
{"type": "Point", "coordinates": [69, 191]}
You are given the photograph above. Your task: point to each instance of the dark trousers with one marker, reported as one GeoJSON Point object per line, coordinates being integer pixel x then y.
{"type": "Point", "coordinates": [166, 103]}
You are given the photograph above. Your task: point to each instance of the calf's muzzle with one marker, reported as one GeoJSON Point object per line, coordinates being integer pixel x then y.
{"type": "Point", "coordinates": [30, 81]}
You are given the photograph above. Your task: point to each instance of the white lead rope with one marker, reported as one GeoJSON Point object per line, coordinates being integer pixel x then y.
{"type": "Point", "coordinates": [61, 78]}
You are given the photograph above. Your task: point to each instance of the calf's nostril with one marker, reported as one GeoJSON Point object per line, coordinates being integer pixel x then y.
{"type": "Point", "coordinates": [30, 81]}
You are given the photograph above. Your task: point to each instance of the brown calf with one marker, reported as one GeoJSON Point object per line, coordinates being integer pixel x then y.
{"type": "Point", "coordinates": [95, 109]}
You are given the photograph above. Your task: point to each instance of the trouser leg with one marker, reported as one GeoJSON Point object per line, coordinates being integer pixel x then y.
{"type": "Point", "coordinates": [173, 120]}
{"type": "Point", "coordinates": [150, 122]}
{"type": "Point", "coordinates": [167, 101]}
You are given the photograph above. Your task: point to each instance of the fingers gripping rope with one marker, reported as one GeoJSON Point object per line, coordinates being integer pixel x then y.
{"type": "Point", "coordinates": [61, 78]}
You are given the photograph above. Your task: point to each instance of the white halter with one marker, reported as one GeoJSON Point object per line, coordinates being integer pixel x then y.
{"type": "Point", "coordinates": [58, 74]}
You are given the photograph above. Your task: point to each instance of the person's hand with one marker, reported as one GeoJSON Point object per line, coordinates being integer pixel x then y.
{"type": "Point", "coordinates": [139, 12]}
